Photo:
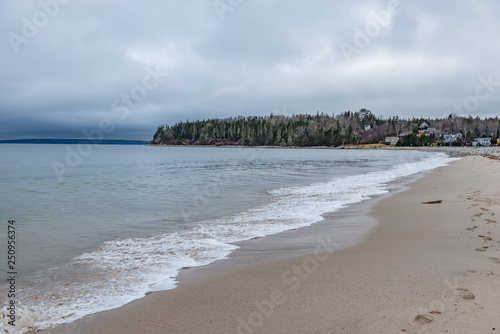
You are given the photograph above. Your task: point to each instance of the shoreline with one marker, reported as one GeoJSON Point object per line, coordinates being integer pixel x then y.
{"type": "Point", "coordinates": [406, 256]}
{"type": "Point", "coordinates": [452, 151]}
{"type": "Point", "coordinates": [345, 228]}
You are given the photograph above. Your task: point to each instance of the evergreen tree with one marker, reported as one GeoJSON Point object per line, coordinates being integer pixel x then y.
{"type": "Point", "coordinates": [318, 130]}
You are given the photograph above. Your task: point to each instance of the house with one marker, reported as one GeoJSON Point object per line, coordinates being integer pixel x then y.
{"type": "Point", "coordinates": [391, 140]}
{"type": "Point", "coordinates": [404, 134]}
{"type": "Point", "coordinates": [368, 127]}
{"type": "Point", "coordinates": [424, 126]}
{"type": "Point", "coordinates": [482, 142]}
{"type": "Point", "coordinates": [449, 138]}
{"type": "Point", "coordinates": [429, 131]}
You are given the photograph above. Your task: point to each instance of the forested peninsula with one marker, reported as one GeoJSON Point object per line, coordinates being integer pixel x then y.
{"type": "Point", "coordinates": [361, 127]}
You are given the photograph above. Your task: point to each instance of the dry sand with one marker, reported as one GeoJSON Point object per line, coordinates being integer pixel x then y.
{"type": "Point", "coordinates": [425, 268]}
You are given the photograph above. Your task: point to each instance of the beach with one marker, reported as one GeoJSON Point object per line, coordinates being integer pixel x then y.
{"type": "Point", "coordinates": [429, 263]}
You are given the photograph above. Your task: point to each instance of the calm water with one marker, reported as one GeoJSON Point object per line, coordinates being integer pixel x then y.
{"type": "Point", "coordinates": [122, 220]}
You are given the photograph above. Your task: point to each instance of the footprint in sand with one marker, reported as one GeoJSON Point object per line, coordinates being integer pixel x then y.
{"type": "Point", "coordinates": [478, 215]}
{"type": "Point", "coordinates": [472, 228]}
{"type": "Point", "coordinates": [490, 221]}
{"type": "Point", "coordinates": [485, 238]}
{"type": "Point", "coordinates": [470, 196]}
{"type": "Point", "coordinates": [423, 319]}
{"type": "Point", "coordinates": [465, 294]}
{"type": "Point", "coordinates": [484, 209]}
{"type": "Point", "coordinates": [495, 259]}
{"type": "Point", "coordinates": [482, 249]}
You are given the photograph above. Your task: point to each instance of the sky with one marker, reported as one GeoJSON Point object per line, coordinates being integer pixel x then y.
{"type": "Point", "coordinates": [119, 69]}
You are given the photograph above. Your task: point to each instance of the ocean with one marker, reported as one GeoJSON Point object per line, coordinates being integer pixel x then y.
{"type": "Point", "coordinates": [99, 228]}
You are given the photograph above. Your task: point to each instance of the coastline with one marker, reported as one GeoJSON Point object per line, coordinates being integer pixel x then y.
{"type": "Point", "coordinates": [452, 151]}
{"type": "Point", "coordinates": [396, 271]}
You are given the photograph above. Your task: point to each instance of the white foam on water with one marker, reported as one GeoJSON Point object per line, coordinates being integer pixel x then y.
{"type": "Point", "coordinates": [121, 271]}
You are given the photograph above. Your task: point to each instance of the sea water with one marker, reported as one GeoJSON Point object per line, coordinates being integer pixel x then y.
{"type": "Point", "coordinates": [96, 231]}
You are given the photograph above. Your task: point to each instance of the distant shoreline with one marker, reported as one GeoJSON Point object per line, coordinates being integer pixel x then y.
{"type": "Point", "coordinates": [76, 141]}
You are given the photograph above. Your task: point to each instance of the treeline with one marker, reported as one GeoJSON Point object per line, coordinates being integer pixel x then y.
{"type": "Point", "coordinates": [361, 127]}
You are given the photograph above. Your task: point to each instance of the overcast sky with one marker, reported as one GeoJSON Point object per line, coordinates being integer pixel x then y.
{"type": "Point", "coordinates": [125, 67]}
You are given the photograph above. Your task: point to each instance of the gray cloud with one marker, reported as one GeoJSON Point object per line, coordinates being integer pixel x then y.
{"type": "Point", "coordinates": [265, 56]}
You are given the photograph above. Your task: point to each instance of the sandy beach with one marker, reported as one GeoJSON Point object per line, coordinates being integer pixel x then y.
{"type": "Point", "coordinates": [429, 263]}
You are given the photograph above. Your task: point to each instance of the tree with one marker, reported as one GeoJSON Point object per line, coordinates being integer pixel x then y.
{"type": "Point", "coordinates": [321, 129]}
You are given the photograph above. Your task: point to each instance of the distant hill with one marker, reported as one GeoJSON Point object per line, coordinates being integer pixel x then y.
{"type": "Point", "coordinates": [361, 127]}
{"type": "Point", "coordinates": [74, 141]}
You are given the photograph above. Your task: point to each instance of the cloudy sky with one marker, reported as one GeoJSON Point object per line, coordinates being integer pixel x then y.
{"type": "Point", "coordinates": [125, 67]}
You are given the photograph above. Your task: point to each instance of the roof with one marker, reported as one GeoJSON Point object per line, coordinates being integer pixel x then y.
{"type": "Point", "coordinates": [405, 133]}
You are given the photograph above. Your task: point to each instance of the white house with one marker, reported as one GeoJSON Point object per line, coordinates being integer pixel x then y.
{"type": "Point", "coordinates": [451, 137]}
{"type": "Point", "coordinates": [391, 140]}
{"type": "Point", "coordinates": [482, 142]}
